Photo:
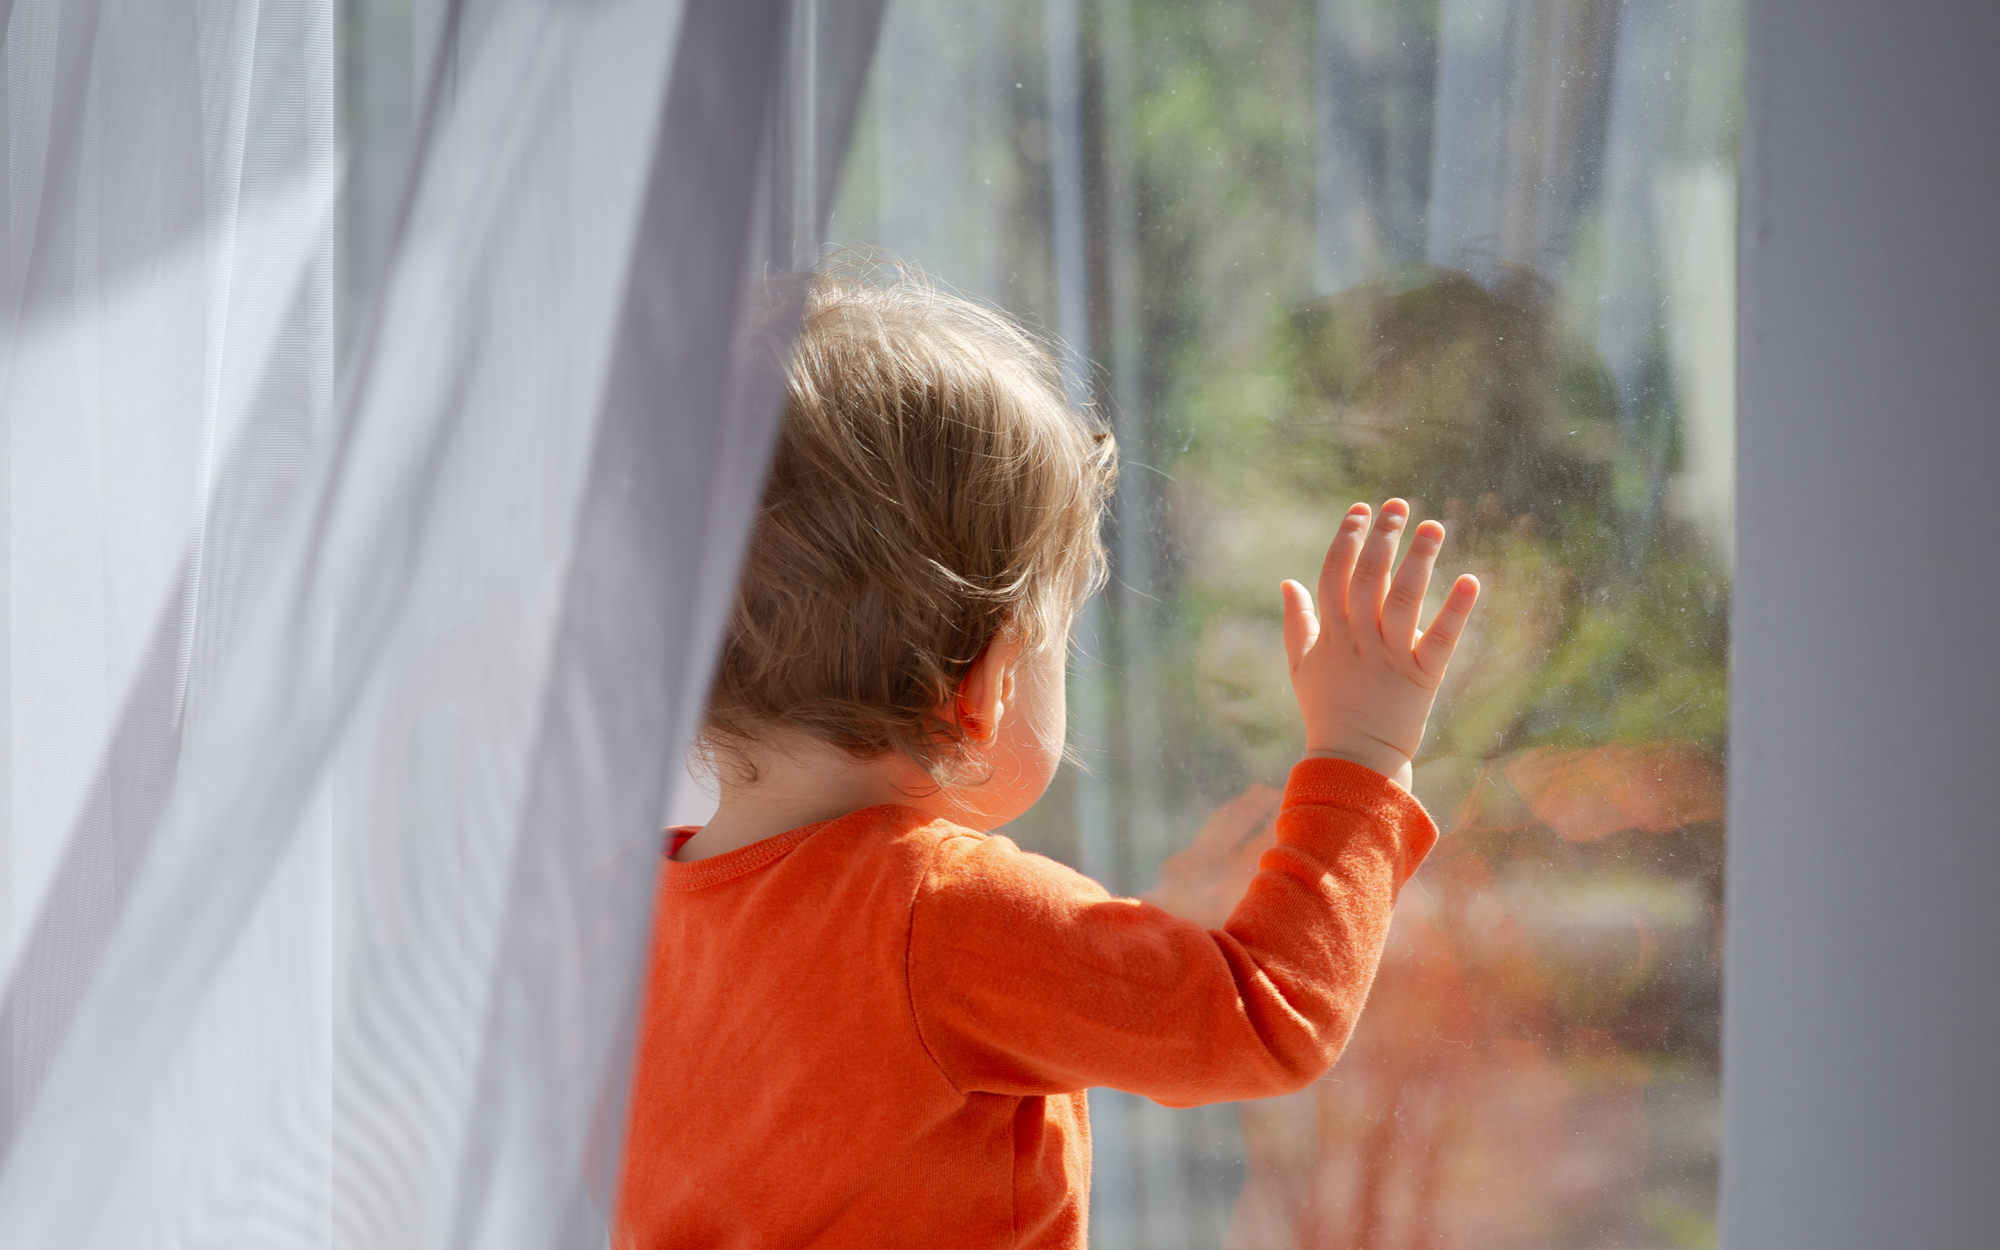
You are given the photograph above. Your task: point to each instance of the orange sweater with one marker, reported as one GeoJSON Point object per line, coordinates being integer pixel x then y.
{"type": "Point", "coordinates": [877, 1030]}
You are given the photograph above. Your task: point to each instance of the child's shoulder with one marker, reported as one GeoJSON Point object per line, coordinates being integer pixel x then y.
{"type": "Point", "coordinates": [884, 861]}
{"type": "Point", "coordinates": [916, 842]}
{"type": "Point", "coordinates": [945, 857]}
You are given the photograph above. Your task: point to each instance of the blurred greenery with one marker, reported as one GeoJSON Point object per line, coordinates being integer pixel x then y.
{"type": "Point", "coordinates": [1264, 369]}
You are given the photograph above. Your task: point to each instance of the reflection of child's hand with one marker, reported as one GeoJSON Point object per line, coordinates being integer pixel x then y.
{"type": "Point", "coordinates": [1364, 677]}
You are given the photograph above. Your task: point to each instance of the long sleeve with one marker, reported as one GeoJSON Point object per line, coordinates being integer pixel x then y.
{"type": "Point", "coordinates": [1028, 978]}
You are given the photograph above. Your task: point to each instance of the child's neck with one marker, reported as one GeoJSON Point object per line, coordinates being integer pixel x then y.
{"type": "Point", "coordinates": [802, 781]}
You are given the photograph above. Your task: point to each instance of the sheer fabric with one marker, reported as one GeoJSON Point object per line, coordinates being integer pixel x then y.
{"type": "Point", "coordinates": [342, 717]}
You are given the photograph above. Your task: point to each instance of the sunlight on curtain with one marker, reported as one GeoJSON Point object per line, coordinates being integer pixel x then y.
{"type": "Point", "coordinates": [341, 719]}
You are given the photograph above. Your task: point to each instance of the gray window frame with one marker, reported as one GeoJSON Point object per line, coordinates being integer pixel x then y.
{"type": "Point", "coordinates": [1859, 1096]}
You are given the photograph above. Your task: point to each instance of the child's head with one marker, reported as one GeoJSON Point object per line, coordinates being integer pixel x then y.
{"type": "Point", "coordinates": [932, 496]}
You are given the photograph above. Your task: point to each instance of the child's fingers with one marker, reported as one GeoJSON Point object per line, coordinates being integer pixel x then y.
{"type": "Point", "coordinates": [1434, 649]}
{"type": "Point", "coordinates": [1406, 592]}
{"type": "Point", "coordinates": [1301, 624]}
{"type": "Point", "coordinates": [1340, 557]}
{"type": "Point", "coordinates": [1370, 583]}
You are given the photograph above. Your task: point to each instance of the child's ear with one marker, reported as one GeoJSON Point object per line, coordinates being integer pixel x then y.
{"type": "Point", "coordinates": [986, 689]}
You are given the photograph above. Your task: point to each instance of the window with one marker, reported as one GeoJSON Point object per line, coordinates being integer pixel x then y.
{"type": "Point", "coordinates": [1479, 253]}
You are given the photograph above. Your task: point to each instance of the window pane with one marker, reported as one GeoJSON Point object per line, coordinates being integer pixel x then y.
{"type": "Point", "coordinates": [1479, 253]}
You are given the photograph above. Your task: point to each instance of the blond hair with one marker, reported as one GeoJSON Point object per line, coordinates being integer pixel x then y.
{"type": "Point", "coordinates": [931, 491]}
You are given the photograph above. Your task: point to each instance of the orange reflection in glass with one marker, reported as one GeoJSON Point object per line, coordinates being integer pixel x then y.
{"type": "Point", "coordinates": [1493, 1094]}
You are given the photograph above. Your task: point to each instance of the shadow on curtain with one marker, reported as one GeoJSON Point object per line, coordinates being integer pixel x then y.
{"type": "Point", "coordinates": [341, 716]}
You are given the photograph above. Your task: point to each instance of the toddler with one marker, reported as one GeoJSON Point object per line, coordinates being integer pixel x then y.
{"type": "Point", "coordinates": [871, 1022]}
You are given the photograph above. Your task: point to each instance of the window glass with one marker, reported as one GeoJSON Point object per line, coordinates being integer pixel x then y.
{"type": "Point", "coordinates": [1479, 253]}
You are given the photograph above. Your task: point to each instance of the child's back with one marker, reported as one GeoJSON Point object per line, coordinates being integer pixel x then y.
{"type": "Point", "coordinates": [871, 1024]}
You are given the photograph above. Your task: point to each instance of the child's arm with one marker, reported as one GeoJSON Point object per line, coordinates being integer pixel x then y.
{"type": "Point", "coordinates": [1027, 978]}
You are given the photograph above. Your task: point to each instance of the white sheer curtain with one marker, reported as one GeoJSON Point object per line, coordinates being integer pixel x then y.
{"type": "Point", "coordinates": [341, 717]}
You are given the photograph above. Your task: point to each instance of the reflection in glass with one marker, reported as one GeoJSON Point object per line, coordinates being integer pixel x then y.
{"type": "Point", "coordinates": [1478, 253]}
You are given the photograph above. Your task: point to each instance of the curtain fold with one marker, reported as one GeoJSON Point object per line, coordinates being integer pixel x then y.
{"type": "Point", "coordinates": [342, 718]}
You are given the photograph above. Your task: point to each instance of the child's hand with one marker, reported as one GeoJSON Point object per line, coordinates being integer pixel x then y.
{"type": "Point", "coordinates": [1364, 677]}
